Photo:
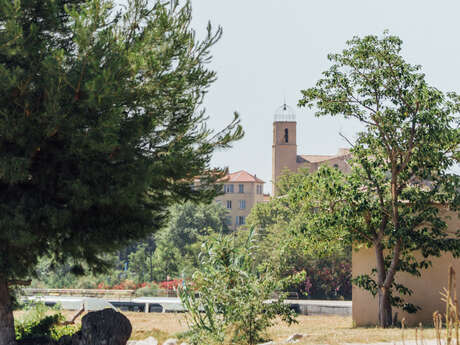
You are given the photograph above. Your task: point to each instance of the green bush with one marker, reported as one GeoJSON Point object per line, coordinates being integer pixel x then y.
{"type": "Point", "coordinates": [40, 320]}
{"type": "Point", "coordinates": [227, 298]}
{"type": "Point", "coordinates": [149, 290]}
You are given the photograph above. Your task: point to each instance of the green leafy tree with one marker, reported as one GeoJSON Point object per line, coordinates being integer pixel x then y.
{"type": "Point", "coordinates": [227, 299]}
{"type": "Point", "coordinates": [172, 251]}
{"type": "Point", "coordinates": [293, 238]}
{"type": "Point", "coordinates": [100, 129]}
{"type": "Point", "coordinates": [50, 274]}
{"type": "Point", "coordinates": [139, 263]}
{"type": "Point", "coordinates": [139, 258]}
{"type": "Point", "coordinates": [179, 244]}
{"type": "Point", "coordinates": [401, 162]}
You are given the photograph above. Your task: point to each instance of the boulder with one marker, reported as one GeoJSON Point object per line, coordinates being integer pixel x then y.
{"type": "Point", "coordinates": [171, 341]}
{"type": "Point", "coordinates": [44, 340]}
{"type": "Point", "coordinates": [65, 340]}
{"type": "Point", "coordinates": [104, 327]}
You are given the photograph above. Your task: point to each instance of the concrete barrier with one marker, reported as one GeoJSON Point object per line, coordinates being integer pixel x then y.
{"type": "Point", "coordinates": [173, 304]}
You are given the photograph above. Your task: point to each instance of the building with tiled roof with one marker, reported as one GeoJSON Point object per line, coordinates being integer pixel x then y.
{"type": "Point", "coordinates": [284, 149]}
{"type": "Point", "coordinates": [241, 192]}
{"type": "Point", "coordinates": [241, 176]}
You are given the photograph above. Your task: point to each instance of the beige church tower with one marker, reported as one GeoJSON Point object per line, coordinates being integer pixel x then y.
{"type": "Point", "coordinates": [284, 149]}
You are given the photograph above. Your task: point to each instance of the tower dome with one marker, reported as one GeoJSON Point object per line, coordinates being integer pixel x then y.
{"type": "Point", "coordinates": [284, 114]}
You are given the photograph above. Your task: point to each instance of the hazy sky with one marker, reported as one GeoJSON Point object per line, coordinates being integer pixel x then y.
{"type": "Point", "coordinates": [272, 49]}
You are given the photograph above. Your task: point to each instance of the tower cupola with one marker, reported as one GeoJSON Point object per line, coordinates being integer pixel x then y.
{"type": "Point", "coordinates": [284, 114]}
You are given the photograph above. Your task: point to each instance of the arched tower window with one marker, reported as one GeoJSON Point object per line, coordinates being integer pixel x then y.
{"type": "Point", "coordinates": [286, 135]}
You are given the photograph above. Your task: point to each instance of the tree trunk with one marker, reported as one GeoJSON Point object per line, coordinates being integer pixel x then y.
{"type": "Point", "coordinates": [7, 335]}
{"type": "Point", "coordinates": [385, 312]}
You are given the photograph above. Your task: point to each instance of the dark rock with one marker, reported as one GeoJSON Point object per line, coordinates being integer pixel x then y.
{"type": "Point", "coordinates": [37, 341]}
{"type": "Point", "coordinates": [104, 327]}
{"type": "Point", "coordinates": [65, 340]}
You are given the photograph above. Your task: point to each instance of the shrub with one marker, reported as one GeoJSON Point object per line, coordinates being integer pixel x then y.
{"type": "Point", "coordinates": [38, 322]}
{"type": "Point", "coordinates": [228, 301]}
{"type": "Point", "coordinates": [147, 289]}
{"type": "Point", "coordinates": [328, 278]}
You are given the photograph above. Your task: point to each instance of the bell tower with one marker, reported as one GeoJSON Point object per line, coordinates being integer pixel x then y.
{"type": "Point", "coordinates": [284, 148]}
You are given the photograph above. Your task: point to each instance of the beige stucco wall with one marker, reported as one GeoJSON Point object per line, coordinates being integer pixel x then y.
{"type": "Point", "coordinates": [250, 195]}
{"type": "Point", "coordinates": [426, 288]}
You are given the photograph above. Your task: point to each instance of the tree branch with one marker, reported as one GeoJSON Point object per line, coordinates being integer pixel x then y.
{"type": "Point", "coordinates": [346, 139]}
{"type": "Point", "coordinates": [72, 321]}
{"type": "Point", "coordinates": [408, 154]}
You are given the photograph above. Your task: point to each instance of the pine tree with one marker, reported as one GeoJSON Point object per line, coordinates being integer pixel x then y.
{"type": "Point", "coordinates": [100, 129]}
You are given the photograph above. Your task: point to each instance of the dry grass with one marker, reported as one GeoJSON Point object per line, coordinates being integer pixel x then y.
{"type": "Point", "coordinates": [158, 325]}
{"type": "Point", "coordinates": [318, 329]}
{"type": "Point", "coordinates": [334, 330]}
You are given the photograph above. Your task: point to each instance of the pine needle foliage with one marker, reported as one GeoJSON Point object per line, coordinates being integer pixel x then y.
{"type": "Point", "coordinates": [101, 126]}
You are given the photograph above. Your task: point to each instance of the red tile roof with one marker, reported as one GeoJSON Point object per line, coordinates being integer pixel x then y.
{"type": "Point", "coordinates": [241, 176]}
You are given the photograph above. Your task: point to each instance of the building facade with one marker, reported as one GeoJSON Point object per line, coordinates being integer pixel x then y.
{"type": "Point", "coordinates": [241, 192]}
{"type": "Point", "coordinates": [426, 289]}
{"type": "Point", "coordinates": [284, 149]}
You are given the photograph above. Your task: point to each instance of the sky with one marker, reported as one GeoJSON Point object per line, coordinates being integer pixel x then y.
{"type": "Point", "coordinates": [272, 49]}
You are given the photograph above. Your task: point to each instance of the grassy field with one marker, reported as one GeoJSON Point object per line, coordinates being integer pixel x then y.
{"type": "Point", "coordinates": [318, 329]}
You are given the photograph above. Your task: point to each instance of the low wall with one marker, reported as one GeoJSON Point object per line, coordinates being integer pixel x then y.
{"type": "Point", "coordinates": [426, 289]}
{"type": "Point", "coordinates": [312, 307]}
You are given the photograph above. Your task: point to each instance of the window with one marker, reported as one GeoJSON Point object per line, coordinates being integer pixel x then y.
{"type": "Point", "coordinates": [240, 220]}
{"type": "Point", "coordinates": [242, 204]}
{"type": "Point", "coordinates": [241, 188]}
{"type": "Point", "coordinates": [286, 135]}
{"type": "Point", "coordinates": [229, 204]}
{"type": "Point", "coordinates": [228, 220]}
{"type": "Point", "coordinates": [228, 188]}
{"type": "Point", "coordinates": [259, 189]}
